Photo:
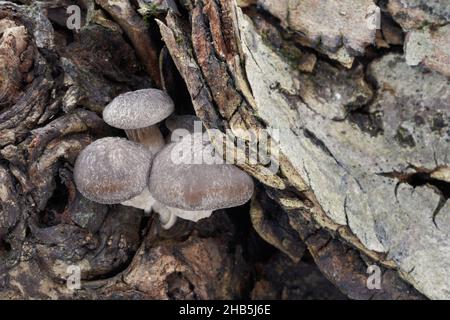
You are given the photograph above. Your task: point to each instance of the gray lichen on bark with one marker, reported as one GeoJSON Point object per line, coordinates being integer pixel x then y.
{"type": "Point", "coordinates": [342, 163]}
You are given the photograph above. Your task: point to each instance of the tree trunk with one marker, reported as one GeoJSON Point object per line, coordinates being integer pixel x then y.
{"type": "Point", "coordinates": [361, 126]}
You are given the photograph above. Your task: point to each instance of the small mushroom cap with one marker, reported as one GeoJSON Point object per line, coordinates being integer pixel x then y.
{"type": "Point", "coordinates": [112, 170]}
{"type": "Point", "coordinates": [195, 187]}
{"type": "Point", "coordinates": [186, 122]}
{"type": "Point", "coordinates": [138, 109]}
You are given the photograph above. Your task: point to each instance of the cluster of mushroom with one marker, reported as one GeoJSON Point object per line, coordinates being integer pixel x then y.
{"type": "Point", "coordinates": [150, 174]}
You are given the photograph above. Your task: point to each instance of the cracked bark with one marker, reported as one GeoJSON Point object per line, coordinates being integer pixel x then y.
{"type": "Point", "coordinates": [320, 108]}
{"type": "Point", "coordinates": [347, 139]}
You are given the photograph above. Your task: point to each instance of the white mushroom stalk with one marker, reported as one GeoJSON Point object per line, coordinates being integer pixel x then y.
{"type": "Point", "coordinates": [144, 201]}
{"type": "Point", "coordinates": [167, 217]}
{"type": "Point", "coordinates": [150, 137]}
{"type": "Point", "coordinates": [194, 216]}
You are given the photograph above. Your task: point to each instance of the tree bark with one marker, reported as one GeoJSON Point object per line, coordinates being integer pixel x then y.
{"type": "Point", "coordinates": [363, 173]}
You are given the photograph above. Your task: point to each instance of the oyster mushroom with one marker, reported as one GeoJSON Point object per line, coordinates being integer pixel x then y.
{"type": "Point", "coordinates": [138, 113]}
{"type": "Point", "coordinates": [182, 125]}
{"type": "Point", "coordinates": [185, 188]}
{"type": "Point", "coordinates": [186, 122]}
{"type": "Point", "coordinates": [115, 170]}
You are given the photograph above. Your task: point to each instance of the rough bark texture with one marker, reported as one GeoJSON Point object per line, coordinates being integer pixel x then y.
{"type": "Point", "coordinates": [364, 138]}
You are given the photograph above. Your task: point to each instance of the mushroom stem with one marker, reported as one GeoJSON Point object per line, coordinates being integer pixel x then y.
{"type": "Point", "coordinates": [183, 214]}
{"type": "Point", "coordinates": [166, 215]}
{"type": "Point", "coordinates": [146, 202]}
{"type": "Point", "coordinates": [169, 215]}
{"type": "Point", "coordinates": [195, 216]}
{"type": "Point", "coordinates": [143, 201]}
{"type": "Point", "coordinates": [150, 137]}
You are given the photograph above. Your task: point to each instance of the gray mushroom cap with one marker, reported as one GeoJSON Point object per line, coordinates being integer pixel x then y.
{"type": "Point", "coordinates": [186, 122]}
{"type": "Point", "coordinates": [194, 187]}
{"type": "Point", "coordinates": [138, 109]}
{"type": "Point", "coordinates": [112, 170]}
